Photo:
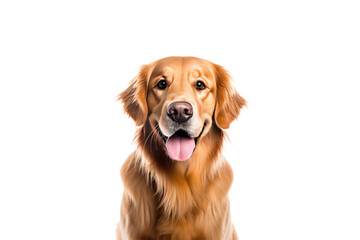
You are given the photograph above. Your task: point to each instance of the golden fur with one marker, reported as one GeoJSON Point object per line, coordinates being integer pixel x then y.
{"type": "Point", "coordinates": [167, 199]}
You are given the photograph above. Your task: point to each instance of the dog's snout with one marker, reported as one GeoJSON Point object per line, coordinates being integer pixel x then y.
{"type": "Point", "coordinates": [180, 111]}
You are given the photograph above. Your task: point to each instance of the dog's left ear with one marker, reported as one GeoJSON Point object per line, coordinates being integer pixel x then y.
{"type": "Point", "coordinates": [228, 101]}
{"type": "Point", "coordinates": [134, 97]}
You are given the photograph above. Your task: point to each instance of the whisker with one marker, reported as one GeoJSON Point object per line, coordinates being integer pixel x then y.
{"type": "Point", "coordinates": [152, 137]}
{"type": "Point", "coordinates": [157, 127]}
{"type": "Point", "coordinates": [151, 133]}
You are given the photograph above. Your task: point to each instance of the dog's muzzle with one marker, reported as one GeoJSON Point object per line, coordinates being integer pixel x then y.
{"type": "Point", "coordinates": [180, 146]}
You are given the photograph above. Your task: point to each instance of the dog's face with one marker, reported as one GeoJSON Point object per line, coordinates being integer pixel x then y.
{"type": "Point", "coordinates": [182, 98]}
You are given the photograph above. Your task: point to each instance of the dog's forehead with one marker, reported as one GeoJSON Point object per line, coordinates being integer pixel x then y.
{"type": "Point", "coordinates": [190, 66]}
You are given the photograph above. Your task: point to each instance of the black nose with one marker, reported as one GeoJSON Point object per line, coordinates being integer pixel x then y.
{"type": "Point", "coordinates": [180, 111]}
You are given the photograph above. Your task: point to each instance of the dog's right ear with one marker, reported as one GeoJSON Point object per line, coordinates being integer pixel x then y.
{"type": "Point", "coordinates": [229, 102]}
{"type": "Point", "coordinates": [134, 97]}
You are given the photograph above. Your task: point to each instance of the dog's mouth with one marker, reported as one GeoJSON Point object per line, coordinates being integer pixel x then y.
{"type": "Point", "coordinates": [180, 146]}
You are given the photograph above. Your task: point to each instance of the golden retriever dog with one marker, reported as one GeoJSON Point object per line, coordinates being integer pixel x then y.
{"type": "Point", "coordinates": [176, 183]}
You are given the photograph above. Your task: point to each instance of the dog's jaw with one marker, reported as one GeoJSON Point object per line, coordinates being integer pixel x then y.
{"type": "Point", "coordinates": [180, 145]}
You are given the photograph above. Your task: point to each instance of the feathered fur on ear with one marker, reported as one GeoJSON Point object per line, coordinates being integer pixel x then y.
{"type": "Point", "coordinates": [134, 97]}
{"type": "Point", "coordinates": [228, 101]}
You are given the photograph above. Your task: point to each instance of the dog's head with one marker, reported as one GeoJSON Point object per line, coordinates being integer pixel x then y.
{"type": "Point", "coordinates": [181, 99]}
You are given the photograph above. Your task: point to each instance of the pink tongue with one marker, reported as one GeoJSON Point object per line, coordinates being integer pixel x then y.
{"type": "Point", "coordinates": [180, 148]}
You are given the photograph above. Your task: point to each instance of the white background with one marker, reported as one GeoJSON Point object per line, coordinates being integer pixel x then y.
{"type": "Point", "coordinates": [295, 150]}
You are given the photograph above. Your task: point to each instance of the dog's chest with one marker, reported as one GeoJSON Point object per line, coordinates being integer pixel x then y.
{"type": "Point", "coordinates": [184, 213]}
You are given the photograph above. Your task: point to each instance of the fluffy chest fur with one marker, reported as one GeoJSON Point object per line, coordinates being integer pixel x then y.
{"type": "Point", "coordinates": [185, 207]}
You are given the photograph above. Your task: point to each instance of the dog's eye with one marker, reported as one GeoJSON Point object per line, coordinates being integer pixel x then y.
{"type": "Point", "coordinates": [161, 85]}
{"type": "Point", "coordinates": [200, 85]}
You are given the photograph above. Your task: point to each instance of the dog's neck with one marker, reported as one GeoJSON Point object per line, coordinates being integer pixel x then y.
{"type": "Point", "coordinates": [168, 176]}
